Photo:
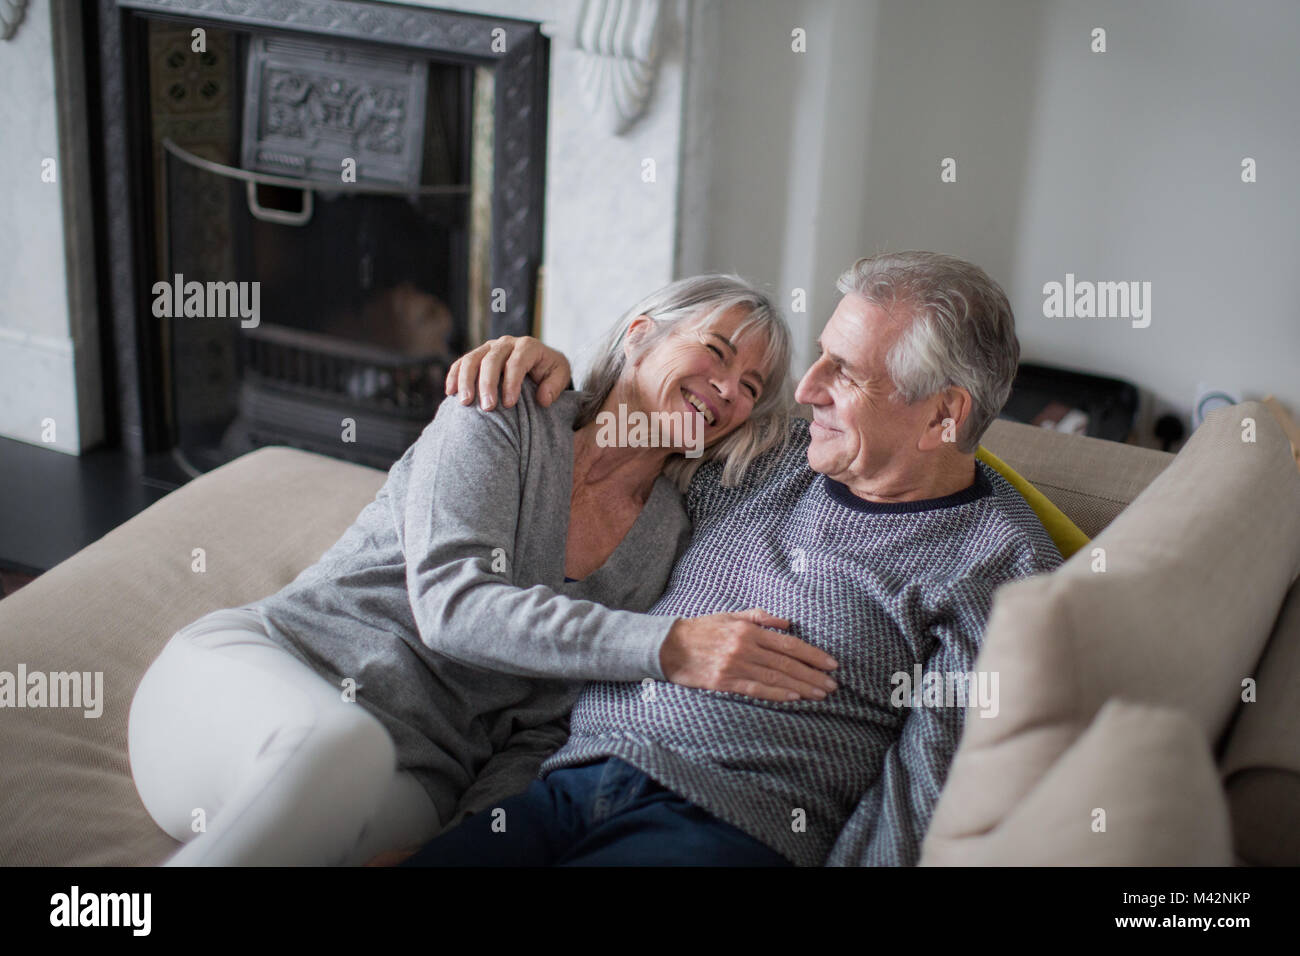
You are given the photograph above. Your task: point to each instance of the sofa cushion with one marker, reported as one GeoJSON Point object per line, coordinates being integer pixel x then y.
{"type": "Point", "coordinates": [1261, 753]}
{"type": "Point", "coordinates": [1194, 573]}
{"type": "Point", "coordinates": [69, 797]}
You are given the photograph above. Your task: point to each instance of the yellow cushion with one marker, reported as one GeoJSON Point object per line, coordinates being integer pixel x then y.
{"type": "Point", "coordinates": [1065, 533]}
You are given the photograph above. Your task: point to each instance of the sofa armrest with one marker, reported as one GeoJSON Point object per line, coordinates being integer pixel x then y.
{"type": "Point", "coordinates": [1261, 752]}
{"type": "Point", "coordinates": [1170, 606]}
{"type": "Point", "coordinates": [1138, 788]}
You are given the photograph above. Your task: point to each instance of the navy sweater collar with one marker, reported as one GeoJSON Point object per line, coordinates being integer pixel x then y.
{"type": "Point", "coordinates": [841, 494]}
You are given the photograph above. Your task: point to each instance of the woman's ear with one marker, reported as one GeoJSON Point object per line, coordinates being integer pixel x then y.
{"type": "Point", "coordinates": [636, 330]}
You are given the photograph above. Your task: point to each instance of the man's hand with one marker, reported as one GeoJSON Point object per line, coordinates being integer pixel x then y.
{"type": "Point", "coordinates": [736, 652]}
{"type": "Point", "coordinates": [482, 370]}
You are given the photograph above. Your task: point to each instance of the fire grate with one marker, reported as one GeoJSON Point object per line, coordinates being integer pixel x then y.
{"type": "Point", "coordinates": [301, 387]}
{"type": "Point", "coordinates": [321, 366]}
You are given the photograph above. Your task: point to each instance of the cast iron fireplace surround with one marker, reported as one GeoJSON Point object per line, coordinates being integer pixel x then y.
{"type": "Point", "coordinates": [127, 240]}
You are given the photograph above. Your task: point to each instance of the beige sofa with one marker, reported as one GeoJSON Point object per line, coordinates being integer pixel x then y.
{"type": "Point", "coordinates": [1120, 690]}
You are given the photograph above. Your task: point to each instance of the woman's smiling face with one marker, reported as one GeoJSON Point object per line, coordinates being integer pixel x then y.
{"type": "Point", "coordinates": [700, 371]}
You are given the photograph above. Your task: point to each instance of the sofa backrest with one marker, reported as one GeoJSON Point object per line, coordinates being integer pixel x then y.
{"type": "Point", "coordinates": [1091, 480]}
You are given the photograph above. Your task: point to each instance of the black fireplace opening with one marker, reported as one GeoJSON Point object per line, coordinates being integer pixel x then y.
{"type": "Point", "coordinates": [312, 210]}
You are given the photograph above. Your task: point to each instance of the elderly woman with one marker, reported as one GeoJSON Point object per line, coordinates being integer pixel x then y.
{"type": "Point", "coordinates": [501, 565]}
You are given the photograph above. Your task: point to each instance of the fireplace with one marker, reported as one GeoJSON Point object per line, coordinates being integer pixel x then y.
{"type": "Point", "coordinates": [311, 209]}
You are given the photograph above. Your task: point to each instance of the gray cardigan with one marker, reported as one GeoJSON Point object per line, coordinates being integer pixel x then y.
{"type": "Point", "coordinates": [446, 600]}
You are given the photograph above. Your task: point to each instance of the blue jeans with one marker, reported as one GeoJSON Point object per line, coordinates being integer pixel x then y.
{"type": "Point", "coordinates": [607, 813]}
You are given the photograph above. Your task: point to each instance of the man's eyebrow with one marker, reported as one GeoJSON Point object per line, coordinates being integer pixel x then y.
{"type": "Point", "coordinates": [838, 359]}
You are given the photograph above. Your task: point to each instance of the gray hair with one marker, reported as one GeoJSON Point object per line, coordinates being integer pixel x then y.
{"type": "Point", "coordinates": [692, 303]}
{"type": "Point", "coordinates": [962, 331]}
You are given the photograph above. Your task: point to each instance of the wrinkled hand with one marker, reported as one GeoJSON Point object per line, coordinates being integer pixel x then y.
{"type": "Point", "coordinates": [736, 652]}
{"type": "Point", "coordinates": [502, 363]}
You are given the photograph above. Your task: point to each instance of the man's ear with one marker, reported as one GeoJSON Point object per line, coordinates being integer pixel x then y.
{"type": "Point", "coordinates": [950, 409]}
{"type": "Point", "coordinates": [636, 329]}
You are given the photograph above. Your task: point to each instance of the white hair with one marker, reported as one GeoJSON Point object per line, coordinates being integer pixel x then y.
{"type": "Point", "coordinates": [962, 332]}
{"type": "Point", "coordinates": [691, 303]}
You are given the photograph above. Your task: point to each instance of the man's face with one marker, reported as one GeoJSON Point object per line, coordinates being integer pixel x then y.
{"type": "Point", "coordinates": [860, 432]}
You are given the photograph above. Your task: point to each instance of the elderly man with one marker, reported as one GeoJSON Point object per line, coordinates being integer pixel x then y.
{"type": "Point", "coordinates": [878, 536]}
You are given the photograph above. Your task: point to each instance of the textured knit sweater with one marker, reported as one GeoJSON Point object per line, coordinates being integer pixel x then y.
{"type": "Point", "coordinates": [446, 600]}
{"type": "Point", "coordinates": [882, 588]}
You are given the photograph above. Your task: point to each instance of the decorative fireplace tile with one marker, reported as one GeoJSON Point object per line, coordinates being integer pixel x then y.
{"type": "Point", "coordinates": [309, 106]}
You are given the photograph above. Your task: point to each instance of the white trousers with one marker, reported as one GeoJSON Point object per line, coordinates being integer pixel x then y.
{"type": "Point", "coordinates": [251, 758]}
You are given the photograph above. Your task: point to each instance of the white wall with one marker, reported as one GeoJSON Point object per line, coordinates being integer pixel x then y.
{"type": "Point", "coordinates": [1116, 166]}
{"type": "Point", "coordinates": [776, 176]}
{"type": "Point", "coordinates": [45, 345]}
{"type": "Point", "coordinates": [1134, 173]}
